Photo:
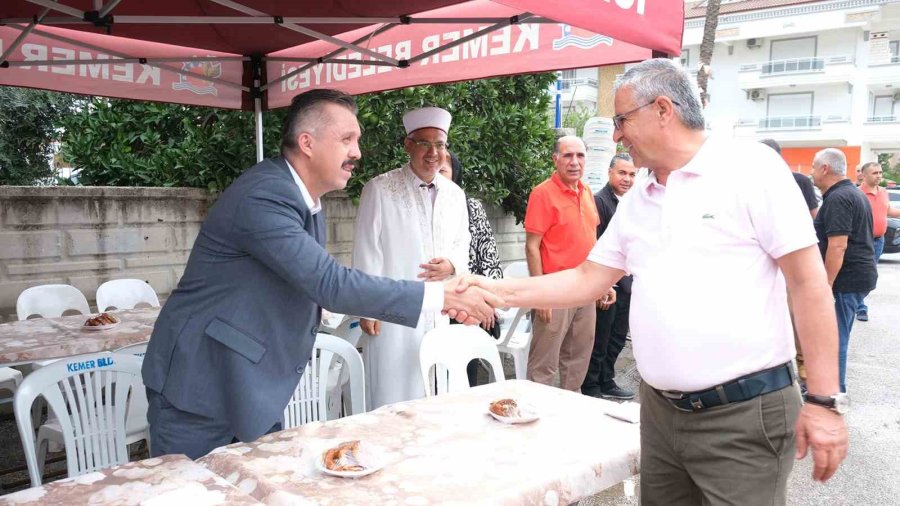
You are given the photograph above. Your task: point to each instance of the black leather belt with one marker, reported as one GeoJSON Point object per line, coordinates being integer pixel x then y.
{"type": "Point", "coordinates": [740, 390]}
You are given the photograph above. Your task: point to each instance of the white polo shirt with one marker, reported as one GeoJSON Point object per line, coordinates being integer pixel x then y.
{"type": "Point", "coordinates": [708, 302]}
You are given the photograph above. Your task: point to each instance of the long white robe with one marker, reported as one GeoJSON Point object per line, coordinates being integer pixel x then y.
{"type": "Point", "coordinates": [397, 229]}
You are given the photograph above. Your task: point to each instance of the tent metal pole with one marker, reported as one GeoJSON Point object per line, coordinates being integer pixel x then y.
{"type": "Point", "coordinates": [56, 6]}
{"type": "Point", "coordinates": [12, 47]}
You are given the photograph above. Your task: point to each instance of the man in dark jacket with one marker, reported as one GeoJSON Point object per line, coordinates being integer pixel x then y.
{"type": "Point", "coordinates": [233, 339]}
{"type": "Point", "coordinates": [611, 327]}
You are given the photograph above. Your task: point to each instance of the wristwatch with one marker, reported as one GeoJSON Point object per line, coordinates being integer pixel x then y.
{"type": "Point", "coordinates": [839, 402]}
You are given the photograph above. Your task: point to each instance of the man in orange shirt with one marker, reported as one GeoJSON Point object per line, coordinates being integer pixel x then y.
{"type": "Point", "coordinates": [872, 175]}
{"type": "Point", "coordinates": [560, 230]}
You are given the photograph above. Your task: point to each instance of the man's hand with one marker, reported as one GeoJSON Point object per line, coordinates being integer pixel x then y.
{"type": "Point", "coordinates": [543, 315]}
{"type": "Point", "coordinates": [371, 327]}
{"type": "Point", "coordinates": [437, 269]}
{"type": "Point", "coordinates": [487, 325]}
{"type": "Point", "coordinates": [469, 304]}
{"type": "Point", "coordinates": [607, 301]}
{"type": "Point", "coordinates": [825, 432]}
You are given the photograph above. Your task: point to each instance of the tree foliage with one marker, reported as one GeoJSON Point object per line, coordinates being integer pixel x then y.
{"type": "Point", "coordinates": [29, 121]}
{"type": "Point", "coordinates": [499, 132]}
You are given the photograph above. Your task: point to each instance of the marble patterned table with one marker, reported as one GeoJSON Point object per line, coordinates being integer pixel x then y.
{"type": "Point", "coordinates": [166, 481]}
{"type": "Point", "coordinates": [27, 341]}
{"type": "Point", "coordinates": [447, 450]}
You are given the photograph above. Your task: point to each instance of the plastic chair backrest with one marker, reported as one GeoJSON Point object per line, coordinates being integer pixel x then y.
{"type": "Point", "coordinates": [349, 330]}
{"type": "Point", "coordinates": [50, 301]}
{"type": "Point", "coordinates": [309, 402]}
{"type": "Point", "coordinates": [125, 294]}
{"type": "Point", "coordinates": [513, 327]}
{"type": "Point", "coordinates": [450, 349]}
{"type": "Point", "coordinates": [137, 413]}
{"type": "Point", "coordinates": [516, 270]}
{"type": "Point", "coordinates": [89, 396]}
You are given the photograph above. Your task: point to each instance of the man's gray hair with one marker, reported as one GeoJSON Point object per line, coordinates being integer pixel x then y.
{"type": "Point", "coordinates": [834, 159]}
{"type": "Point", "coordinates": [660, 77]}
{"type": "Point", "coordinates": [621, 156]}
{"type": "Point", "coordinates": [566, 138]}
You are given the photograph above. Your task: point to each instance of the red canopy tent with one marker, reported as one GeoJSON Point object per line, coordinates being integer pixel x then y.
{"type": "Point", "coordinates": [257, 54]}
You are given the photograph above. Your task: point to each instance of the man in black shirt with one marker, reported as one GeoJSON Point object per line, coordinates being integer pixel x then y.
{"type": "Point", "coordinates": [611, 327]}
{"type": "Point", "coordinates": [806, 186]}
{"type": "Point", "coordinates": [844, 228]}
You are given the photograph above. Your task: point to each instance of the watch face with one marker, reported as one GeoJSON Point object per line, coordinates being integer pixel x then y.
{"type": "Point", "coordinates": [842, 403]}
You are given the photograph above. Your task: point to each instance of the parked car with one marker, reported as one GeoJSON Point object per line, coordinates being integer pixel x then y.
{"type": "Point", "coordinates": [892, 236]}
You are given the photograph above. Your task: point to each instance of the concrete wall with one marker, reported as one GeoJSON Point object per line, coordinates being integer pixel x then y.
{"type": "Point", "coordinates": [84, 236]}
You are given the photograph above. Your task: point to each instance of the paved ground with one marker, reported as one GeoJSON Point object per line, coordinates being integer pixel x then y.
{"type": "Point", "coordinates": [870, 473]}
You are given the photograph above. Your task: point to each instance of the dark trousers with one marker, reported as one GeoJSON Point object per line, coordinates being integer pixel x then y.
{"type": "Point", "coordinates": [173, 431]}
{"type": "Point", "coordinates": [610, 331]}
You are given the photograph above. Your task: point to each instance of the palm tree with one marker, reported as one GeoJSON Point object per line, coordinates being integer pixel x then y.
{"type": "Point", "coordinates": [706, 48]}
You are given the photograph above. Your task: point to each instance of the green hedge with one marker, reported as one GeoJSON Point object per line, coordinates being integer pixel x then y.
{"type": "Point", "coordinates": [500, 132]}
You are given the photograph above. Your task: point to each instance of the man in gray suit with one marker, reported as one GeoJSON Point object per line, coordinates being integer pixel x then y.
{"type": "Point", "coordinates": [234, 337]}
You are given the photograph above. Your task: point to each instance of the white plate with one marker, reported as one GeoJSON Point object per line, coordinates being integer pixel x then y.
{"type": "Point", "coordinates": [375, 461]}
{"type": "Point", "coordinates": [527, 414]}
{"type": "Point", "coordinates": [95, 328]}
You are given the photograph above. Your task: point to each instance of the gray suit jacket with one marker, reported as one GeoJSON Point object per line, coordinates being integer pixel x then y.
{"type": "Point", "coordinates": [234, 337]}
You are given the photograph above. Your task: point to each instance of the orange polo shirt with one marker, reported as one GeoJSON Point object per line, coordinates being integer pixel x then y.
{"type": "Point", "coordinates": [880, 203]}
{"type": "Point", "coordinates": [567, 219]}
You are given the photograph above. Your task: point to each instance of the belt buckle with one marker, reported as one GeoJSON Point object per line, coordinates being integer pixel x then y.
{"type": "Point", "coordinates": [697, 404]}
{"type": "Point", "coordinates": [672, 395]}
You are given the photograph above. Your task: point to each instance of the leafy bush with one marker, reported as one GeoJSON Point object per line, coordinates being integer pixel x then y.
{"type": "Point", "coordinates": [500, 133]}
{"type": "Point", "coordinates": [29, 122]}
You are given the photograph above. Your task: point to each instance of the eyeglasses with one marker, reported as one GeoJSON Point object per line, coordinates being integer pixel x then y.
{"type": "Point", "coordinates": [619, 118]}
{"type": "Point", "coordinates": [439, 145]}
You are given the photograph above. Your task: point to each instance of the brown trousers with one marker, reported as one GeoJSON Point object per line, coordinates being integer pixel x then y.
{"type": "Point", "coordinates": [564, 343]}
{"type": "Point", "coordinates": [738, 454]}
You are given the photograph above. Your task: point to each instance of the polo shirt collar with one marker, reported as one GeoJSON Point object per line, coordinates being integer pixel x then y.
{"type": "Point", "coordinates": [867, 192]}
{"type": "Point", "coordinates": [314, 207]}
{"type": "Point", "coordinates": [556, 179]}
{"type": "Point", "coordinates": [842, 182]}
{"type": "Point", "coordinates": [697, 164]}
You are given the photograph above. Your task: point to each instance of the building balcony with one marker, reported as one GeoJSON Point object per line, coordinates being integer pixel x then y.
{"type": "Point", "coordinates": [796, 71]}
{"type": "Point", "coordinates": [882, 130]}
{"type": "Point", "coordinates": [578, 90]}
{"type": "Point", "coordinates": [796, 130]}
{"type": "Point", "coordinates": [884, 73]}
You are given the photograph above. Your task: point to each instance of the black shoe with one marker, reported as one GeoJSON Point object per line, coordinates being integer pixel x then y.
{"type": "Point", "coordinates": [617, 393]}
{"type": "Point", "coordinates": [591, 392]}
{"type": "Point", "coordinates": [862, 316]}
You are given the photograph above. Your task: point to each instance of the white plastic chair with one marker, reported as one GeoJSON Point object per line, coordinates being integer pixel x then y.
{"type": "Point", "coordinates": [137, 428]}
{"type": "Point", "coordinates": [50, 301]}
{"type": "Point", "coordinates": [449, 350]}
{"type": "Point", "coordinates": [125, 294]}
{"type": "Point", "coordinates": [310, 400]}
{"type": "Point", "coordinates": [350, 331]}
{"type": "Point", "coordinates": [10, 379]}
{"type": "Point", "coordinates": [515, 326]}
{"type": "Point", "coordinates": [89, 395]}
{"type": "Point", "coordinates": [516, 342]}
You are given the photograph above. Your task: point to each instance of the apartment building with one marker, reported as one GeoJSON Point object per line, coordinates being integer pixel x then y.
{"type": "Point", "coordinates": [807, 74]}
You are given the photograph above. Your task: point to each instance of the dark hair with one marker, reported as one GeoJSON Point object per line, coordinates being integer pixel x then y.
{"type": "Point", "coordinates": [620, 156]}
{"type": "Point", "coordinates": [862, 170]}
{"type": "Point", "coordinates": [772, 144]}
{"type": "Point", "coordinates": [455, 169]}
{"type": "Point", "coordinates": [305, 113]}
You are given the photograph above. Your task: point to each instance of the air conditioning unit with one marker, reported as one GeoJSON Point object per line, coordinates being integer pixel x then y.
{"type": "Point", "coordinates": [754, 43]}
{"type": "Point", "coordinates": [756, 95]}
